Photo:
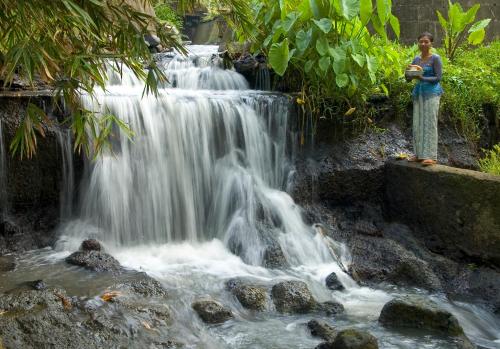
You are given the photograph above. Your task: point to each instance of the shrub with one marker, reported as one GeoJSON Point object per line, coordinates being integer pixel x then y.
{"type": "Point", "coordinates": [491, 162]}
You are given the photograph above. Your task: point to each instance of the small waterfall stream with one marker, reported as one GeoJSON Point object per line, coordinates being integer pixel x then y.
{"type": "Point", "coordinates": [3, 176]}
{"type": "Point", "coordinates": [198, 196]}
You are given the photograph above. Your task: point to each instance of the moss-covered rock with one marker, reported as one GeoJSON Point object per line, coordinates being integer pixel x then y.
{"type": "Point", "coordinates": [421, 313]}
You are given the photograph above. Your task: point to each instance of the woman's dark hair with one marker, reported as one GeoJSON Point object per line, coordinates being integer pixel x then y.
{"type": "Point", "coordinates": [429, 35]}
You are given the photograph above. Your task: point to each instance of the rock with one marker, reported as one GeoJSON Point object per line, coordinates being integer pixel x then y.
{"type": "Point", "coordinates": [292, 297]}
{"type": "Point", "coordinates": [91, 245]}
{"type": "Point", "coordinates": [37, 285]}
{"type": "Point", "coordinates": [421, 313]}
{"type": "Point", "coordinates": [333, 283]}
{"type": "Point", "coordinates": [367, 228]}
{"type": "Point", "coordinates": [274, 258]}
{"type": "Point", "coordinates": [330, 308]}
{"type": "Point", "coordinates": [322, 330]}
{"type": "Point", "coordinates": [94, 260]}
{"type": "Point", "coordinates": [212, 312]}
{"type": "Point", "coordinates": [231, 284]}
{"type": "Point", "coordinates": [152, 40]}
{"type": "Point", "coordinates": [251, 297]}
{"type": "Point", "coordinates": [7, 263]}
{"type": "Point", "coordinates": [354, 339]}
{"type": "Point", "coordinates": [146, 287]}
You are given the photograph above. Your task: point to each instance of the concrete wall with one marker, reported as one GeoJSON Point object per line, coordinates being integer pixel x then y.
{"type": "Point", "coordinates": [455, 212]}
{"type": "Point", "coordinates": [418, 16]}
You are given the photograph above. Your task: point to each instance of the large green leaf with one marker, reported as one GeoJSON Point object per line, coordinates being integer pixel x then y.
{"type": "Point", "coordinates": [339, 66]}
{"type": "Point", "coordinates": [303, 39]}
{"type": "Point", "coordinates": [342, 80]}
{"type": "Point", "coordinates": [322, 46]}
{"type": "Point", "coordinates": [372, 64]}
{"type": "Point", "coordinates": [480, 25]}
{"type": "Point", "coordinates": [324, 63]}
{"type": "Point", "coordinates": [365, 11]}
{"type": "Point", "coordinates": [269, 15]}
{"type": "Point", "coordinates": [279, 57]}
{"type": "Point", "coordinates": [289, 21]}
{"type": "Point", "coordinates": [359, 59]}
{"type": "Point", "coordinates": [383, 10]}
{"type": "Point", "coordinates": [320, 8]}
{"type": "Point", "coordinates": [308, 66]}
{"type": "Point", "coordinates": [338, 53]}
{"type": "Point", "coordinates": [325, 24]}
{"type": "Point", "coordinates": [305, 10]}
{"type": "Point", "coordinates": [349, 8]}
{"type": "Point", "coordinates": [470, 15]}
{"type": "Point", "coordinates": [442, 21]}
{"type": "Point", "coordinates": [394, 21]}
{"type": "Point", "coordinates": [476, 37]}
{"type": "Point", "coordinates": [379, 27]}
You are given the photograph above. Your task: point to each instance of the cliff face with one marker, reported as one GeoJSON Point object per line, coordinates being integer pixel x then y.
{"type": "Point", "coordinates": [31, 204]}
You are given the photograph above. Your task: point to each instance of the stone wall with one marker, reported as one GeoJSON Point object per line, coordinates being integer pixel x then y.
{"type": "Point", "coordinates": [418, 16]}
{"type": "Point", "coordinates": [456, 212]}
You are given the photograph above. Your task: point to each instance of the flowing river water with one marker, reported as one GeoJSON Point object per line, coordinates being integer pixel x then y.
{"type": "Point", "coordinates": [197, 196]}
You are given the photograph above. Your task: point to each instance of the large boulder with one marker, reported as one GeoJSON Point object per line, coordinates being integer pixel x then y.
{"type": "Point", "coordinates": [421, 313]}
{"type": "Point", "coordinates": [330, 308]}
{"type": "Point", "coordinates": [351, 339]}
{"type": "Point", "coordinates": [251, 297]}
{"type": "Point", "coordinates": [292, 297]}
{"type": "Point", "coordinates": [95, 260]}
{"type": "Point", "coordinates": [211, 311]}
{"type": "Point", "coordinates": [333, 283]}
{"type": "Point", "coordinates": [322, 329]}
{"type": "Point", "coordinates": [274, 258]}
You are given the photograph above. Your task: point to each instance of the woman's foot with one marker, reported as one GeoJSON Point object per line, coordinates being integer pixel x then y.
{"type": "Point", "coordinates": [428, 162]}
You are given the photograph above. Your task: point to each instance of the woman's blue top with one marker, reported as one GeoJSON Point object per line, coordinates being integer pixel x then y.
{"type": "Point", "coordinates": [429, 85]}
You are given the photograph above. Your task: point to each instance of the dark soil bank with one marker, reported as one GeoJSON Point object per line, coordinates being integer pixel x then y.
{"type": "Point", "coordinates": [400, 220]}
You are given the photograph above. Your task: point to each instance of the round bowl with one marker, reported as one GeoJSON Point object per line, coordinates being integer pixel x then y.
{"type": "Point", "coordinates": [414, 73]}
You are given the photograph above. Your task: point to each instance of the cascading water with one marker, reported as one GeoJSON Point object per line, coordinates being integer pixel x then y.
{"type": "Point", "coordinates": [3, 176]}
{"type": "Point", "coordinates": [67, 186]}
{"type": "Point", "coordinates": [203, 164]}
{"type": "Point", "coordinates": [196, 197]}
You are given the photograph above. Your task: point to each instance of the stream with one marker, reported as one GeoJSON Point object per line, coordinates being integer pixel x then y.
{"type": "Point", "coordinates": [198, 196]}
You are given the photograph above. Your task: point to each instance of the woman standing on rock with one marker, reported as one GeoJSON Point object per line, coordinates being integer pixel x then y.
{"type": "Point", "coordinates": [426, 95]}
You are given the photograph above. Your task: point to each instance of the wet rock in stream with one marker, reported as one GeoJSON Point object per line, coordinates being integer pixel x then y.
{"type": "Point", "coordinates": [421, 313]}
{"type": "Point", "coordinates": [49, 318]}
{"type": "Point", "coordinates": [322, 329]}
{"type": "Point", "coordinates": [333, 283]}
{"type": "Point", "coordinates": [351, 339]}
{"type": "Point", "coordinates": [330, 308]}
{"type": "Point", "coordinates": [211, 311]}
{"type": "Point", "coordinates": [251, 297]}
{"type": "Point", "coordinates": [91, 257]}
{"type": "Point", "coordinates": [293, 297]}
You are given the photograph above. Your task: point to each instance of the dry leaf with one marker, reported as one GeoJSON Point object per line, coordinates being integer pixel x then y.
{"type": "Point", "coordinates": [65, 301]}
{"type": "Point", "coordinates": [350, 111]}
{"type": "Point", "coordinates": [146, 325]}
{"type": "Point", "coordinates": [109, 296]}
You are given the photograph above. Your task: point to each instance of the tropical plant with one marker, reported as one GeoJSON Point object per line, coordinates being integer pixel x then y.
{"type": "Point", "coordinates": [491, 162]}
{"type": "Point", "coordinates": [459, 26]}
{"type": "Point", "coordinates": [324, 48]}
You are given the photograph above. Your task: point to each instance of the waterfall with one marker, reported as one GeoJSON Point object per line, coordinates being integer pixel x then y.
{"type": "Point", "coordinates": [208, 160]}
{"type": "Point", "coordinates": [67, 185]}
{"type": "Point", "coordinates": [3, 176]}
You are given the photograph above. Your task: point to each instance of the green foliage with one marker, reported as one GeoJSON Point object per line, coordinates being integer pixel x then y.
{"type": "Point", "coordinates": [165, 12]}
{"type": "Point", "coordinates": [324, 49]}
{"type": "Point", "coordinates": [491, 162]}
{"type": "Point", "coordinates": [69, 43]}
{"type": "Point", "coordinates": [455, 27]}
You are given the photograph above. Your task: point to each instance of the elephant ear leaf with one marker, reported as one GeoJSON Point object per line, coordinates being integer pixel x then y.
{"type": "Point", "coordinates": [279, 56]}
